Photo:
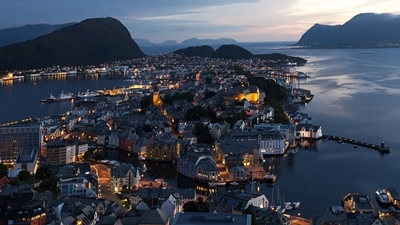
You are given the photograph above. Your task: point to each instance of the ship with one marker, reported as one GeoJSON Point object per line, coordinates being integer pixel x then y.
{"type": "Point", "coordinates": [72, 72]}
{"type": "Point", "coordinates": [382, 196]}
{"type": "Point", "coordinates": [88, 94]}
{"type": "Point", "coordinates": [270, 178]}
{"type": "Point", "coordinates": [61, 97]}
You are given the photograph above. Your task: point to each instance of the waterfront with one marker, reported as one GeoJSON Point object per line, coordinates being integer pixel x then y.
{"type": "Point", "coordinates": [355, 97]}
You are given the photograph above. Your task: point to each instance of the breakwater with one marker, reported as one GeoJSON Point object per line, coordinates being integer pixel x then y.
{"type": "Point", "coordinates": [381, 148]}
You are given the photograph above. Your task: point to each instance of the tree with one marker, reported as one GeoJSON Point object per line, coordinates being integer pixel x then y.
{"type": "Point", "coordinates": [190, 207]}
{"type": "Point", "coordinates": [145, 102]}
{"type": "Point", "coordinates": [195, 113]}
{"type": "Point", "coordinates": [24, 175]}
{"type": "Point", "coordinates": [253, 215]}
{"type": "Point", "coordinates": [209, 94]}
{"type": "Point", "coordinates": [43, 172]}
{"type": "Point", "coordinates": [3, 170]}
{"type": "Point", "coordinates": [98, 156]}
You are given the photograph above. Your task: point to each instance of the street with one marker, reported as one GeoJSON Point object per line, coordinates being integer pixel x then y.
{"type": "Point", "coordinates": [104, 172]}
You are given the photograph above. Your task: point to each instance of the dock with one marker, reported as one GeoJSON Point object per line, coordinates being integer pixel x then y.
{"type": "Point", "coordinates": [381, 148]}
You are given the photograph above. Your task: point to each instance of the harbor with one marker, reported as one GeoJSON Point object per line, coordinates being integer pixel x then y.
{"type": "Point", "coordinates": [381, 148]}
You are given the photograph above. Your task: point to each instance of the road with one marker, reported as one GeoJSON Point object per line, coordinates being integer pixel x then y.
{"type": "Point", "coordinates": [103, 172]}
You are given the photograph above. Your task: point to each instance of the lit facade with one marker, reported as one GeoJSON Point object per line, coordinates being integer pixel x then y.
{"type": "Point", "coordinates": [13, 139]}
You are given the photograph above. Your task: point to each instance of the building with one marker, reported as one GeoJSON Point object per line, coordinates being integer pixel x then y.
{"type": "Point", "coordinates": [75, 187]}
{"type": "Point", "coordinates": [14, 138]}
{"type": "Point", "coordinates": [165, 150]}
{"type": "Point", "coordinates": [270, 142]}
{"type": "Point", "coordinates": [124, 177]}
{"type": "Point", "coordinates": [240, 200]}
{"type": "Point", "coordinates": [58, 152]}
{"type": "Point", "coordinates": [308, 131]}
{"type": "Point", "coordinates": [247, 150]}
{"type": "Point", "coordinates": [27, 160]}
{"type": "Point", "coordinates": [193, 218]}
{"type": "Point", "coordinates": [22, 207]}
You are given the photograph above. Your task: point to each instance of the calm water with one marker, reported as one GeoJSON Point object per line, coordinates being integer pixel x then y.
{"type": "Point", "coordinates": [356, 95]}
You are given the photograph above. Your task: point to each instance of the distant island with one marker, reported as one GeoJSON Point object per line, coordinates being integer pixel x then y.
{"type": "Point", "coordinates": [366, 30]}
{"type": "Point", "coordinates": [15, 35]}
{"type": "Point", "coordinates": [188, 42]}
{"type": "Point", "coordinates": [235, 52]}
{"type": "Point", "coordinates": [92, 41]}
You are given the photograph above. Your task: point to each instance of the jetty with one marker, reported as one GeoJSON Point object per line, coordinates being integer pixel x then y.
{"type": "Point", "coordinates": [381, 148]}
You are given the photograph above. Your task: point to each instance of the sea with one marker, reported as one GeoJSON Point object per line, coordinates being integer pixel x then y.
{"type": "Point", "coordinates": [356, 95]}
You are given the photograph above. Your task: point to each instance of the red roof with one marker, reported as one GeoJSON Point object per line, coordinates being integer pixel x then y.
{"type": "Point", "coordinates": [3, 181]}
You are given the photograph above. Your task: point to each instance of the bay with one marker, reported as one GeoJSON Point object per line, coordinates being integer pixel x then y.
{"type": "Point", "coordinates": [356, 96]}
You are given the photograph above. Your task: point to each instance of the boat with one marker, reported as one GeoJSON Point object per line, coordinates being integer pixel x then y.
{"type": "Point", "coordinates": [72, 72]}
{"type": "Point", "coordinates": [141, 158]}
{"type": "Point", "coordinates": [234, 183]}
{"type": "Point", "coordinates": [382, 196]}
{"type": "Point", "coordinates": [270, 177]}
{"type": "Point", "coordinates": [215, 184]}
{"type": "Point", "coordinates": [61, 97]}
{"type": "Point", "coordinates": [88, 94]}
{"type": "Point", "coordinates": [288, 206]}
{"type": "Point", "coordinates": [296, 204]}
{"type": "Point", "coordinates": [355, 146]}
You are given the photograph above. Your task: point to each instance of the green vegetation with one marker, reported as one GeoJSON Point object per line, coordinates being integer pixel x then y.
{"type": "Point", "coordinates": [202, 134]}
{"type": "Point", "coordinates": [195, 113]}
{"type": "Point", "coordinates": [92, 41]}
{"type": "Point", "coordinates": [145, 102]}
{"type": "Point", "coordinates": [199, 206]}
{"type": "Point", "coordinates": [3, 170]}
{"type": "Point", "coordinates": [49, 182]}
{"type": "Point", "coordinates": [170, 99]}
{"type": "Point", "coordinates": [253, 216]}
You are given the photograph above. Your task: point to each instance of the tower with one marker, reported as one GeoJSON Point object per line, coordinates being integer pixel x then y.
{"type": "Point", "coordinates": [156, 97]}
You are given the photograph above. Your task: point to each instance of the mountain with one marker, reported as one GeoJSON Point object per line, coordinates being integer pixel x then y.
{"type": "Point", "coordinates": [224, 51]}
{"type": "Point", "coordinates": [143, 42]}
{"type": "Point", "coordinates": [92, 41]}
{"type": "Point", "coordinates": [363, 30]}
{"type": "Point", "coordinates": [194, 41]}
{"type": "Point", "coordinates": [235, 52]}
{"type": "Point", "coordinates": [14, 35]}
{"type": "Point", "coordinates": [168, 42]}
{"type": "Point", "coordinates": [201, 51]}
{"type": "Point", "coordinates": [232, 52]}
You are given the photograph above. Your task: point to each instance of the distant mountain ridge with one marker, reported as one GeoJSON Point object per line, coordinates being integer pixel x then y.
{"type": "Point", "coordinates": [14, 35]}
{"type": "Point", "coordinates": [234, 52]}
{"type": "Point", "coordinates": [92, 41]}
{"type": "Point", "coordinates": [363, 30]}
{"type": "Point", "coordinates": [188, 42]}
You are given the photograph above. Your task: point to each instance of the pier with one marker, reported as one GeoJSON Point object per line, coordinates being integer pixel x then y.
{"type": "Point", "coordinates": [381, 148]}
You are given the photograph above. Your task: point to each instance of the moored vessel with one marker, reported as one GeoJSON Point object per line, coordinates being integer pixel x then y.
{"type": "Point", "coordinates": [382, 196]}
{"type": "Point", "coordinates": [61, 97]}
{"type": "Point", "coordinates": [87, 94]}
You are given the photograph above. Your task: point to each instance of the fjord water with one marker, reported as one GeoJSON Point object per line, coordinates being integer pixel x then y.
{"type": "Point", "coordinates": [356, 95]}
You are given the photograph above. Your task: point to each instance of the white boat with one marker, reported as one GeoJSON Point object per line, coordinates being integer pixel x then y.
{"type": "Point", "coordinates": [61, 97]}
{"type": "Point", "coordinates": [382, 196]}
{"type": "Point", "coordinates": [270, 177]}
{"type": "Point", "coordinates": [72, 72]}
{"type": "Point", "coordinates": [288, 205]}
{"type": "Point", "coordinates": [234, 183]}
{"type": "Point", "coordinates": [296, 204]}
{"type": "Point", "coordinates": [88, 94]}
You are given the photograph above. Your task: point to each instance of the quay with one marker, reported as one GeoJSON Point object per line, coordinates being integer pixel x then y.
{"type": "Point", "coordinates": [381, 148]}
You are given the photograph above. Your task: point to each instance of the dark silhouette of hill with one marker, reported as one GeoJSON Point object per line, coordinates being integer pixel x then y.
{"type": "Point", "coordinates": [235, 52]}
{"type": "Point", "coordinates": [232, 52]}
{"type": "Point", "coordinates": [14, 35]}
{"type": "Point", "coordinates": [201, 51]}
{"type": "Point", "coordinates": [282, 57]}
{"type": "Point", "coordinates": [363, 30]}
{"type": "Point", "coordinates": [92, 41]}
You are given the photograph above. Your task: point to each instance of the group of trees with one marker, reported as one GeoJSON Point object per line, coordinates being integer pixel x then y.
{"type": "Point", "coordinates": [196, 206]}
{"type": "Point", "coordinates": [169, 99]}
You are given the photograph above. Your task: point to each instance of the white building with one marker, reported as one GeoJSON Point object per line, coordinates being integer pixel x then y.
{"type": "Point", "coordinates": [308, 131]}
{"type": "Point", "coordinates": [124, 177]}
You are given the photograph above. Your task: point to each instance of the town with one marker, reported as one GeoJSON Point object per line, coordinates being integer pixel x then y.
{"type": "Point", "coordinates": [215, 119]}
